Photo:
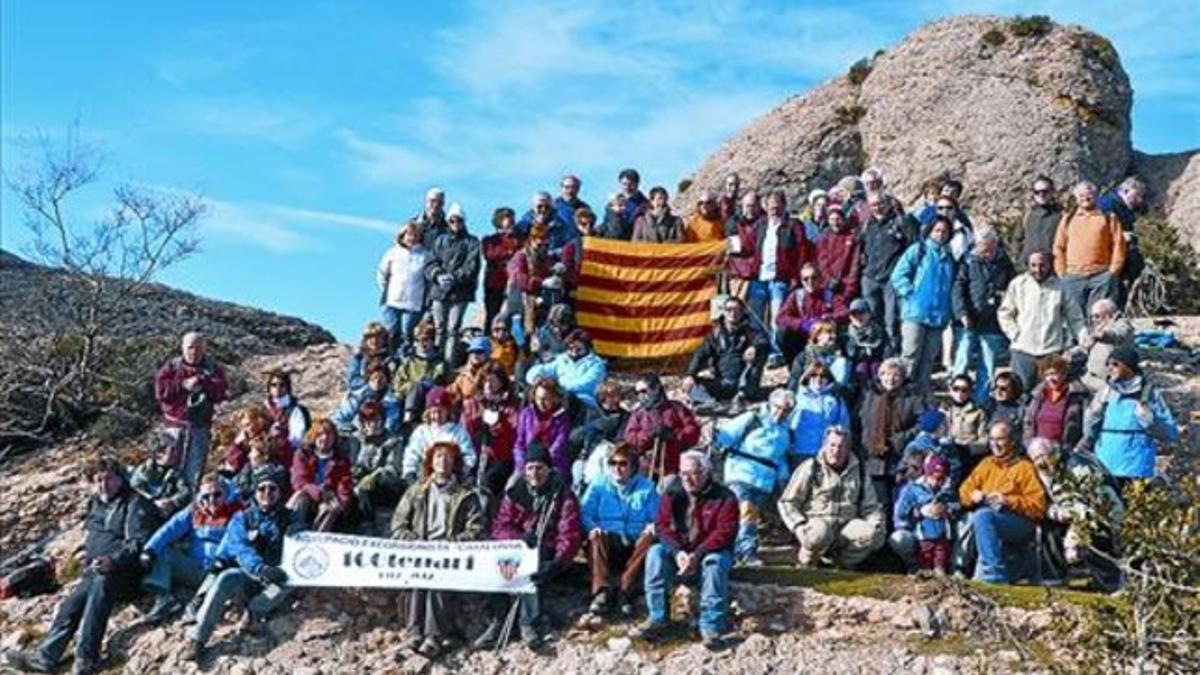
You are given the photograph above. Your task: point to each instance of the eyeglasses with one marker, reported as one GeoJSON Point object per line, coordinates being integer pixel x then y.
{"type": "Point", "coordinates": [1041, 192]}
{"type": "Point", "coordinates": [618, 462]}
{"type": "Point", "coordinates": [945, 208]}
{"type": "Point", "coordinates": [642, 391]}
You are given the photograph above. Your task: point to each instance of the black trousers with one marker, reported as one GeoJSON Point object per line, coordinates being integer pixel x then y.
{"type": "Point", "coordinates": [86, 610]}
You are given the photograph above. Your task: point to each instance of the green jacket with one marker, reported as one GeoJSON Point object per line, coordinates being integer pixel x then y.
{"type": "Point", "coordinates": [465, 520]}
{"type": "Point", "coordinates": [413, 370]}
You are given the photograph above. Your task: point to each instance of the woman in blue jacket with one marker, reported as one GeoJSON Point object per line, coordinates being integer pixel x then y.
{"type": "Point", "coordinates": [924, 280]}
{"type": "Point", "coordinates": [818, 407]}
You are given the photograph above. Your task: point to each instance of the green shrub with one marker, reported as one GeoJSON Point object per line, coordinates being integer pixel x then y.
{"type": "Point", "coordinates": [1031, 26]}
{"type": "Point", "coordinates": [849, 115]}
{"type": "Point", "coordinates": [1176, 260]}
{"type": "Point", "coordinates": [859, 71]}
{"type": "Point", "coordinates": [684, 184]}
{"type": "Point", "coordinates": [1098, 48]}
{"type": "Point", "coordinates": [994, 37]}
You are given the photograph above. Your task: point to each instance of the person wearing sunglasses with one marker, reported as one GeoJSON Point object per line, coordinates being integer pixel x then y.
{"type": "Point", "coordinates": [735, 352]}
{"type": "Point", "coordinates": [183, 550]}
{"type": "Point", "coordinates": [1041, 221]}
{"type": "Point", "coordinates": [248, 562]}
{"type": "Point", "coordinates": [160, 478]}
{"type": "Point", "coordinates": [660, 429]}
{"type": "Point", "coordinates": [618, 515]}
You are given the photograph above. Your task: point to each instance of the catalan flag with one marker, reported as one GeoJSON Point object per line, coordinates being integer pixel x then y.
{"type": "Point", "coordinates": [647, 301]}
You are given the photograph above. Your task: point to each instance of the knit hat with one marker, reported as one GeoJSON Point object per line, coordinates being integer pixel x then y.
{"type": "Point", "coordinates": [578, 335]}
{"type": "Point", "coordinates": [537, 453]}
{"type": "Point", "coordinates": [817, 194]}
{"type": "Point", "coordinates": [456, 211]}
{"type": "Point", "coordinates": [434, 193]}
{"type": "Point", "coordinates": [437, 397]}
{"type": "Point", "coordinates": [931, 420]}
{"type": "Point", "coordinates": [860, 306]}
{"type": "Point", "coordinates": [479, 345]}
{"type": "Point", "coordinates": [1126, 354]}
{"type": "Point", "coordinates": [936, 464]}
{"type": "Point", "coordinates": [270, 473]}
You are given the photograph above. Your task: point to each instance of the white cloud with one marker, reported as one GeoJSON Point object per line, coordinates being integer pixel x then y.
{"type": "Point", "coordinates": [280, 229]}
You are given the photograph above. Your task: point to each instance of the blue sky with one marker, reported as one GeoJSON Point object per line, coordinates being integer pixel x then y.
{"type": "Point", "coordinates": [313, 128]}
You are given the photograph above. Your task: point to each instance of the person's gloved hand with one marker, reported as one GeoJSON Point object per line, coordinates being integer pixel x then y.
{"type": "Point", "coordinates": [547, 571]}
{"type": "Point", "coordinates": [530, 539]}
{"type": "Point", "coordinates": [274, 575]}
{"type": "Point", "coordinates": [445, 281]}
{"type": "Point", "coordinates": [146, 560]}
{"type": "Point", "coordinates": [554, 283]}
{"type": "Point", "coordinates": [558, 269]}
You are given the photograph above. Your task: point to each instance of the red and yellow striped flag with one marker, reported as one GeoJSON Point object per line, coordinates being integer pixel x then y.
{"type": "Point", "coordinates": [643, 301]}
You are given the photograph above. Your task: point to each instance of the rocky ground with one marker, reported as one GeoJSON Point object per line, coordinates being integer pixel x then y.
{"type": "Point", "coordinates": [820, 623]}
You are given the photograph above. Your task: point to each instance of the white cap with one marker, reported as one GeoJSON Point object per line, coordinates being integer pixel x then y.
{"type": "Point", "coordinates": [456, 210]}
{"type": "Point", "coordinates": [434, 193]}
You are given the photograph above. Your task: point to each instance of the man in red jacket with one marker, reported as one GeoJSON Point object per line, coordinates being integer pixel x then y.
{"type": "Point", "coordinates": [838, 257]}
{"type": "Point", "coordinates": [697, 525]}
{"type": "Point", "coordinates": [188, 388]}
{"type": "Point", "coordinates": [660, 429]}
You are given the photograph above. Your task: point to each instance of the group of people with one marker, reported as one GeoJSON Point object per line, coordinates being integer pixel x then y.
{"type": "Point", "coordinates": [514, 430]}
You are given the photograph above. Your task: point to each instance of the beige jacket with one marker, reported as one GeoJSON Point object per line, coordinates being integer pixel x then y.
{"type": "Point", "coordinates": [817, 491]}
{"type": "Point", "coordinates": [1040, 319]}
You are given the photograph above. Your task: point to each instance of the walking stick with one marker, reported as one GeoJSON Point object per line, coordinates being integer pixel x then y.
{"type": "Point", "coordinates": [542, 524]}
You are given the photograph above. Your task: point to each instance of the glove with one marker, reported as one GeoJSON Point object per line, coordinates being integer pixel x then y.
{"type": "Point", "coordinates": [530, 539]}
{"type": "Point", "coordinates": [553, 283]}
{"type": "Point", "coordinates": [445, 281]}
{"type": "Point", "coordinates": [274, 575]}
{"type": "Point", "coordinates": [146, 560]}
{"type": "Point", "coordinates": [547, 571]}
{"type": "Point", "coordinates": [328, 496]}
{"type": "Point", "coordinates": [664, 433]}
{"type": "Point", "coordinates": [558, 269]}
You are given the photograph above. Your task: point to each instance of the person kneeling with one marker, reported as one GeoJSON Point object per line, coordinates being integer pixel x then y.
{"type": "Point", "coordinates": [697, 526]}
{"type": "Point", "coordinates": [618, 514]}
{"type": "Point", "coordinates": [830, 507]}
{"type": "Point", "coordinates": [248, 561]}
{"type": "Point", "coordinates": [439, 508]}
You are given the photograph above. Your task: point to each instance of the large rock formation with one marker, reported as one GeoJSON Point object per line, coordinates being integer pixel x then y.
{"type": "Point", "coordinates": [991, 101]}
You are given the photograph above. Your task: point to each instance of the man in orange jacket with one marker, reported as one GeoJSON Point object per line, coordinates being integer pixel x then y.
{"type": "Point", "coordinates": [1089, 251]}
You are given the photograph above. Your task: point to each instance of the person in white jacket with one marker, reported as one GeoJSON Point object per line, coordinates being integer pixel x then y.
{"type": "Point", "coordinates": [1039, 318]}
{"type": "Point", "coordinates": [401, 279]}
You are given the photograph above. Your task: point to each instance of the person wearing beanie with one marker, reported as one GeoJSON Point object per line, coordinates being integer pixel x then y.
{"type": "Point", "coordinates": [866, 345]}
{"type": "Point", "coordinates": [815, 215]}
{"type": "Point", "coordinates": [376, 469]}
{"type": "Point", "coordinates": [921, 520]}
{"type": "Point", "coordinates": [432, 218]}
{"type": "Point", "coordinates": [116, 527]}
{"type": "Point", "coordinates": [251, 551]}
{"type": "Point", "coordinates": [498, 250]}
{"type": "Point", "coordinates": [160, 478]}
{"type": "Point", "coordinates": [453, 275]}
{"type": "Point", "coordinates": [1128, 420]}
{"type": "Point", "coordinates": [470, 377]}
{"type": "Point", "coordinates": [438, 424]}
{"type": "Point", "coordinates": [578, 369]}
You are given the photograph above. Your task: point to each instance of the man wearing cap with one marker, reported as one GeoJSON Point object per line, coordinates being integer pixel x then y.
{"type": "Point", "coordinates": [454, 274]}
{"type": "Point", "coordinates": [115, 528]}
{"type": "Point", "coordinates": [249, 558]}
{"type": "Point", "coordinates": [188, 388]}
{"type": "Point", "coordinates": [539, 509]}
{"type": "Point", "coordinates": [736, 353]}
{"type": "Point", "coordinates": [440, 507]}
{"type": "Point", "coordinates": [432, 218]}
{"type": "Point", "coordinates": [706, 223]}
{"type": "Point", "coordinates": [438, 424]}
{"type": "Point", "coordinates": [830, 506]}
{"type": "Point", "coordinates": [578, 370]}
{"type": "Point", "coordinates": [1039, 318]}
{"type": "Point", "coordinates": [618, 513]}
{"type": "Point", "coordinates": [1127, 420]}
{"type": "Point", "coordinates": [470, 377]}
{"type": "Point", "coordinates": [697, 526]}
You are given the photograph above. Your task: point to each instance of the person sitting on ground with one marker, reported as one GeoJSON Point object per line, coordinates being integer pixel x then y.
{"type": "Point", "coordinates": [539, 509]}
{"type": "Point", "coordinates": [602, 427]}
{"type": "Point", "coordinates": [240, 485]}
{"type": "Point", "coordinates": [1007, 400]}
{"type": "Point", "coordinates": [822, 348]}
{"type": "Point", "coordinates": [818, 407]}
{"type": "Point", "coordinates": [1110, 329]}
{"type": "Point", "coordinates": [438, 424]}
{"type": "Point", "coordinates": [419, 371]}
{"type": "Point", "coordinates": [372, 347]}
{"type": "Point", "coordinates": [697, 527]}
{"type": "Point", "coordinates": [377, 390]}
{"type": "Point", "coordinates": [441, 507]}
{"type": "Point", "coordinates": [578, 370]}
{"type": "Point", "coordinates": [1005, 501]}
{"type": "Point", "coordinates": [659, 429]}
{"type": "Point", "coordinates": [116, 527]}
{"type": "Point", "coordinates": [375, 457]}
{"type": "Point", "coordinates": [656, 224]}
{"type": "Point", "coordinates": [402, 284]}
{"type": "Point", "coordinates": [469, 378]}
{"type": "Point", "coordinates": [1083, 508]}
{"type": "Point", "coordinates": [1039, 318]}
{"type": "Point", "coordinates": [182, 551]}
{"type": "Point", "coordinates": [809, 303]}
{"type": "Point", "coordinates": [322, 487]}
{"type": "Point", "coordinates": [505, 350]}
{"type": "Point", "coordinates": [736, 353]}
{"type": "Point", "coordinates": [254, 427]}
{"type": "Point", "coordinates": [967, 421]}
{"type": "Point", "coordinates": [289, 418]}
{"type": "Point", "coordinates": [1055, 408]}
{"type": "Point", "coordinates": [549, 340]}
{"type": "Point", "coordinates": [757, 446]}
{"type": "Point", "coordinates": [249, 557]}
{"type": "Point", "coordinates": [188, 389]}
{"type": "Point", "coordinates": [545, 421]}
{"type": "Point", "coordinates": [888, 416]}
{"type": "Point", "coordinates": [160, 479]}
{"type": "Point", "coordinates": [931, 440]}
{"type": "Point", "coordinates": [925, 509]}
{"type": "Point", "coordinates": [618, 513]}
{"type": "Point", "coordinates": [831, 508]}
{"type": "Point", "coordinates": [1127, 421]}
{"type": "Point", "coordinates": [490, 419]}
{"type": "Point", "coordinates": [866, 344]}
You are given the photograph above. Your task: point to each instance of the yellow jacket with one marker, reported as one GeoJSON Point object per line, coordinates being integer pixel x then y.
{"type": "Point", "coordinates": [1014, 477]}
{"type": "Point", "coordinates": [700, 229]}
{"type": "Point", "coordinates": [1087, 243]}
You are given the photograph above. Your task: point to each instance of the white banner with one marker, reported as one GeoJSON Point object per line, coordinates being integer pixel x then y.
{"type": "Point", "coordinates": [341, 560]}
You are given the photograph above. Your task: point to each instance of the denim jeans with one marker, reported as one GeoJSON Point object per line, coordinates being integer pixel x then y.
{"type": "Point", "coordinates": [173, 566]}
{"type": "Point", "coordinates": [993, 528]}
{"type": "Point", "coordinates": [885, 307]}
{"type": "Point", "coordinates": [447, 319]}
{"type": "Point", "coordinates": [196, 443]}
{"type": "Point", "coordinates": [750, 504]}
{"type": "Point", "coordinates": [85, 610]}
{"type": "Point", "coordinates": [400, 324]}
{"type": "Point", "coordinates": [714, 587]}
{"type": "Point", "coordinates": [229, 585]}
{"type": "Point", "coordinates": [766, 295]}
{"type": "Point", "coordinates": [990, 347]}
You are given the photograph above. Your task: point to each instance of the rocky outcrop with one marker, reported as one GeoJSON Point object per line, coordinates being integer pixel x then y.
{"type": "Point", "coordinates": [991, 101]}
{"type": "Point", "coordinates": [1174, 182]}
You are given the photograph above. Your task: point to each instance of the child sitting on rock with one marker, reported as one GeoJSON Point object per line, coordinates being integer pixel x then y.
{"type": "Point", "coordinates": [925, 508]}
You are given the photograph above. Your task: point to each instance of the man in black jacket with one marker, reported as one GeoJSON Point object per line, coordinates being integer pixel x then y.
{"type": "Point", "coordinates": [1041, 222]}
{"type": "Point", "coordinates": [454, 274]}
{"type": "Point", "coordinates": [882, 240]}
{"type": "Point", "coordinates": [736, 351]}
{"type": "Point", "coordinates": [117, 525]}
{"type": "Point", "coordinates": [978, 289]}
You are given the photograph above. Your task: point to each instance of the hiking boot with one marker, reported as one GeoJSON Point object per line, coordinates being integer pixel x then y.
{"type": "Point", "coordinates": [805, 558]}
{"type": "Point", "coordinates": [430, 648]}
{"type": "Point", "coordinates": [412, 641]}
{"type": "Point", "coordinates": [532, 637]}
{"type": "Point", "coordinates": [490, 635]}
{"type": "Point", "coordinates": [194, 651]}
{"type": "Point", "coordinates": [710, 641]}
{"type": "Point", "coordinates": [29, 662]}
{"type": "Point", "coordinates": [191, 613]}
{"type": "Point", "coordinates": [650, 631]}
{"type": "Point", "coordinates": [84, 667]}
{"type": "Point", "coordinates": [628, 608]}
{"type": "Point", "coordinates": [164, 608]}
{"type": "Point", "coordinates": [599, 603]}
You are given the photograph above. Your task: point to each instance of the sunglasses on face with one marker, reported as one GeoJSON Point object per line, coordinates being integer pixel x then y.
{"type": "Point", "coordinates": [808, 277]}
{"type": "Point", "coordinates": [641, 392]}
{"type": "Point", "coordinates": [945, 208]}
{"type": "Point", "coordinates": [1041, 192]}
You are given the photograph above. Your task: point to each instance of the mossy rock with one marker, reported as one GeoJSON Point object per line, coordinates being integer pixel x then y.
{"type": "Point", "coordinates": [1030, 26]}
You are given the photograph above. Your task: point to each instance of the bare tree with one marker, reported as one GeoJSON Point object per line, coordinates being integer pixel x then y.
{"type": "Point", "coordinates": [61, 368]}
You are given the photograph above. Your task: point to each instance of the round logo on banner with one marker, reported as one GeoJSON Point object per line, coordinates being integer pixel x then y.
{"type": "Point", "coordinates": [311, 562]}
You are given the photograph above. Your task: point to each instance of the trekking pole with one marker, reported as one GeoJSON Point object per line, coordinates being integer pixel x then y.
{"type": "Point", "coordinates": [506, 630]}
